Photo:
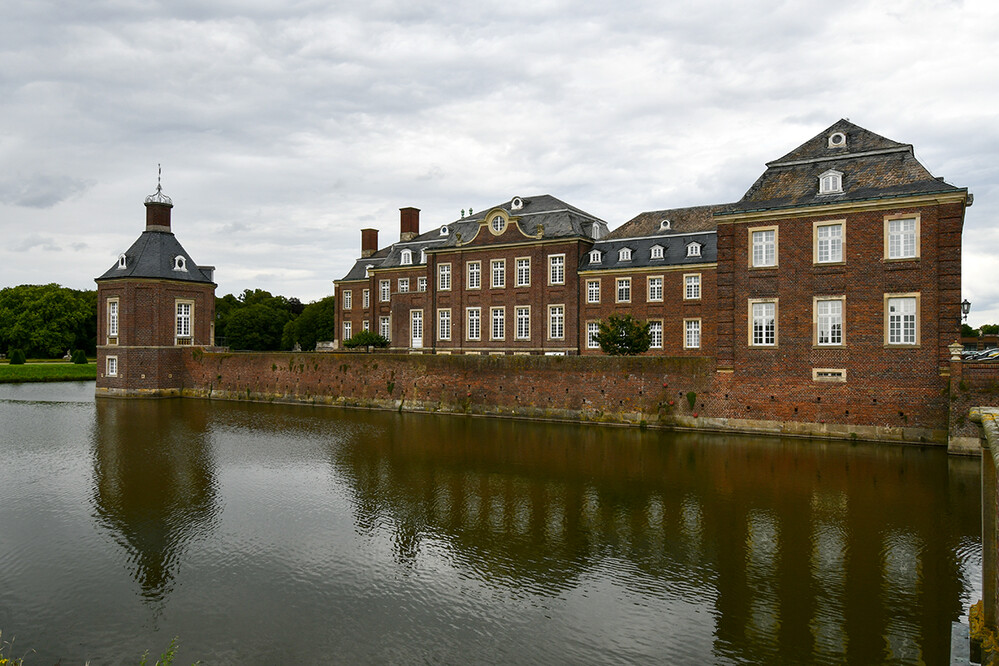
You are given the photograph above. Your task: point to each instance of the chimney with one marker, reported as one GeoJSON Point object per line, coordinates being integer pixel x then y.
{"type": "Point", "coordinates": [409, 223]}
{"type": "Point", "coordinates": [369, 242]}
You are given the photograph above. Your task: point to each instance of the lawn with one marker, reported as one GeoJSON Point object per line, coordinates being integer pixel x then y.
{"type": "Point", "coordinates": [47, 372]}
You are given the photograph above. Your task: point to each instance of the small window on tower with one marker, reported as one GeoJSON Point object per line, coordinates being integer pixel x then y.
{"type": "Point", "coordinates": [121, 261]}
{"type": "Point", "coordinates": [179, 263]}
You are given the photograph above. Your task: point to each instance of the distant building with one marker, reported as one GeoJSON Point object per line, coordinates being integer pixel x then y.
{"type": "Point", "coordinates": [154, 303]}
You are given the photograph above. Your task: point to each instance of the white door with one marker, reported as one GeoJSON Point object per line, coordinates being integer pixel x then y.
{"type": "Point", "coordinates": [416, 327]}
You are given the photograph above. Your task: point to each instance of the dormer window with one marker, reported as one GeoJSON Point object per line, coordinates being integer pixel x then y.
{"type": "Point", "coordinates": [367, 270]}
{"type": "Point", "coordinates": [406, 257]}
{"type": "Point", "coordinates": [423, 256]}
{"type": "Point", "coordinates": [831, 182]}
{"type": "Point", "coordinates": [664, 225]}
{"type": "Point", "coordinates": [596, 256]}
{"type": "Point", "coordinates": [657, 251]}
{"type": "Point", "coordinates": [444, 230]}
{"type": "Point", "coordinates": [624, 254]}
{"type": "Point", "coordinates": [517, 203]}
{"type": "Point", "coordinates": [121, 261]}
{"type": "Point", "coordinates": [179, 263]}
{"type": "Point", "coordinates": [497, 224]}
{"type": "Point", "coordinates": [837, 140]}
{"type": "Point", "coordinates": [693, 249]}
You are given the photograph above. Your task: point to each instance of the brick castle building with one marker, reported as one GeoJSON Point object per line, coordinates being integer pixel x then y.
{"type": "Point", "coordinates": [154, 303]}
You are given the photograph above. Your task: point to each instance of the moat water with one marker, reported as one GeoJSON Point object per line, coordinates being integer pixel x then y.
{"type": "Point", "coordinates": [272, 534]}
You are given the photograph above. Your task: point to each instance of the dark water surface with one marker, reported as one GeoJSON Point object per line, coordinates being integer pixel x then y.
{"type": "Point", "coordinates": [265, 534]}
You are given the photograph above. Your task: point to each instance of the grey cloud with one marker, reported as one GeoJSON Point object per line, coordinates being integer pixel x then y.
{"type": "Point", "coordinates": [40, 190]}
{"type": "Point", "coordinates": [36, 241]}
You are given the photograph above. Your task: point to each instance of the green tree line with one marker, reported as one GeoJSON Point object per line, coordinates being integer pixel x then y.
{"type": "Point", "coordinates": [45, 320]}
{"type": "Point", "coordinates": [256, 320]}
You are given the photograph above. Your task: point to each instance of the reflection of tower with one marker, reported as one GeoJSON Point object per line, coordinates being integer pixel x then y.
{"type": "Point", "coordinates": [152, 303]}
{"type": "Point", "coordinates": [154, 483]}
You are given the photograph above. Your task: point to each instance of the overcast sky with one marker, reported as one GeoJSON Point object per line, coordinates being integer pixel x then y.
{"type": "Point", "coordinates": [285, 127]}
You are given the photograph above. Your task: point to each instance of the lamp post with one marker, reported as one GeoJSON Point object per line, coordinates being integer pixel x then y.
{"type": "Point", "coordinates": [965, 309]}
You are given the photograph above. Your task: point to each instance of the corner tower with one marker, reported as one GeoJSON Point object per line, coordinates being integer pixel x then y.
{"type": "Point", "coordinates": [153, 304]}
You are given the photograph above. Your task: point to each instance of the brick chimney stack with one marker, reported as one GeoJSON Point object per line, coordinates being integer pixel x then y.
{"type": "Point", "coordinates": [409, 223]}
{"type": "Point", "coordinates": [369, 242]}
{"type": "Point", "coordinates": [158, 216]}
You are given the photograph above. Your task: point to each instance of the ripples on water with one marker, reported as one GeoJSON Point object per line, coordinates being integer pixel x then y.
{"type": "Point", "coordinates": [278, 534]}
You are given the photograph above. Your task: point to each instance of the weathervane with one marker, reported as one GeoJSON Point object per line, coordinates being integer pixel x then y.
{"type": "Point", "coordinates": [158, 196]}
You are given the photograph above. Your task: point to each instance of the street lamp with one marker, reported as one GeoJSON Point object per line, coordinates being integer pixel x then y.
{"type": "Point", "coordinates": [965, 309]}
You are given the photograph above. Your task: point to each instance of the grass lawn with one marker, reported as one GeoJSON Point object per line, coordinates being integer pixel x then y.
{"type": "Point", "coordinates": [47, 372]}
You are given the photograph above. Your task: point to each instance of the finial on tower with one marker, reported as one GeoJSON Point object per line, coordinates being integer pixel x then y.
{"type": "Point", "coordinates": [158, 196]}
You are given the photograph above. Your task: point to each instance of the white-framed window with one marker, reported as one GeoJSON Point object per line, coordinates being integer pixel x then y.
{"type": "Point", "coordinates": [624, 254]}
{"type": "Point", "coordinates": [423, 256]}
{"type": "Point", "coordinates": [828, 321]}
{"type": "Point", "coordinates": [828, 242]}
{"type": "Point", "coordinates": [763, 247]}
{"type": "Point", "coordinates": [111, 366]}
{"type": "Point", "coordinates": [497, 224]}
{"type": "Point", "coordinates": [837, 140]}
{"type": "Point", "coordinates": [367, 270]}
{"type": "Point", "coordinates": [348, 299]}
{"type": "Point", "coordinates": [763, 323]}
{"type": "Point", "coordinates": [902, 319]}
{"type": "Point", "coordinates": [592, 329]}
{"type": "Point", "coordinates": [497, 270]}
{"type": "Point", "coordinates": [524, 272]}
{"type": "Point", "coordinates": [444, 324]}
{"type": "Point", "coordinates": [346, 330]}
{"type": "Point", "coordinates": [416, 328]}
{"type": "Point", "coordinates": [384, 290]}
{"type": "Point", "coordinates": [406, 257]}
{"type": "Point", "coordinates": [184, 310]}
{"type": "Point", "coordinates": [624, 290]}
{"type": "Point", "coordinates": [421, 284]}
{"type": "Point", "coordinates": [656, 334]}
{"type": "Point", "coordinates": [556, 322]}
{"type": "Point", "coordinates": [385, 327]}
{"type": "Point", "coordinates": [656, 252]}
{"type": "Point", "coordinates": [403, 285]}
{"type": "Point", "coordinates": [365, 325]}
{"type": "Point", "coordinates": [122, 261]}
{"type": "Point", "coordinates": [596, 256]}
{"type": "Point", "coordinates": [180, 263]}
{"type": "Point", "coordinates": [691, 333]}
{"type": "Point", "coordinates": [556, 269]}
{"type": "Point", "coordinates": [497, 318]}
{"type": "Point", "coordinates": [901, 237]}
{"type": "Point", "coordinates": [365, 298]}
{"type": "Point", "coordinates": [831, 182]}
{"type": "Point", "coordinates": [691, 286]}
{"type": "Point", "coordinates": [523, 322]}
{"type": "Point", "coordinates": [693, 249]}
{"type": "Point", "coordinates": [112, 305]}
{"type": "Point", "coordinates": [655, 288]}
{"type": "Point", "coordinates": [473, 270]}
{"type": "Point", "coordinates": [473, 323]}
{"type": "Point", "coordinates": [443, 277]}
{"type": "Point", "coordinates": [593, 291]}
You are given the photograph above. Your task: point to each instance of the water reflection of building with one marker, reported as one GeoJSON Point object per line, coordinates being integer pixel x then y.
{"type": "Point", "coordinates": [154, 483]}
{"type": "Point", "coordinates": [820, 552]}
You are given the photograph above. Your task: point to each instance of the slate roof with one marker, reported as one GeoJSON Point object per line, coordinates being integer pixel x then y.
{"type": "Point", "coordinates": [674, 251]}
{"type": "Point", "coordinates": [152, 256]}
{"type": "Point", "coordinates": [873, 167]}
{"type": "Point", "coordinates": [694, 218]}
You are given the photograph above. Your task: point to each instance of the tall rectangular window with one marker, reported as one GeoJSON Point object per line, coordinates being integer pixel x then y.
{"type": "Point", "coordinates": [365, 325]}
{"type": "Point", "coordinates": [444, 277]}
{"type": "Point", "coordinates": [498, 273]}
{"type": "Point", "coordinates": [524, 272]}
{"type": "Point", "coordinates": [592, 329]}
{"type": "Point", "coordinates": [655, 289]}
{"type": "Point", "coordinates": [691, 333]}
{"type": "Point", "coordinates": [421, 284]}
{"type": "Point", "coordinates": [403, 285]}
{"type": "Point", "coordinates": [624, 290]}
{"type": "Point", "coordinates": [444, 324]}
{"type": "Point", "coordinates": [656, 335]}
{"type": "Point", "coordinates": [498, 317]}
{"type": "Point", "coordinates": [692, 286]}
{"type": "Point", "coordinates": [416, 327]}
{"type": "Point", "coordinates": [348, 299]}
{"type": "Point", "coordinates": [902, 238]}
{"type": "Point", "coordinates": [113, 319]}
{"type": "Point", "coordinates": [346, 330]}
{"type": "Point", "coordinates": [556, 269]}
{"type": "Point", "coordinates": [764, 247]}
{"type": "Point", "coordinates": [828, 243]}
{"type": "Point", "coordinates": [829, 322]}
{"type": "Point", "coordinates": [593, 291]}
{"type": "Point", "coordinates": [474, 271]}
{"type": "Point", "coordinates": [902, 320]}
{"type": "Point", "coordinates": [473, 327]}
{"type": "Point", "coordinates": [184, 321]}
{"type": "Point", "coordinates": [523, 322]}
{"type": "Point", "coordinates": [556, 322]}
{"type": "Point", "coordinates": [764, 324]}
{"type": "Point", "coordinates": [365, 298]}
{"type": "Point", "coordinates": [384, 290]}
{"type": "Point", "coordinates": [385, 327]}
{"type": "Point", "coordinates": [111, 369]}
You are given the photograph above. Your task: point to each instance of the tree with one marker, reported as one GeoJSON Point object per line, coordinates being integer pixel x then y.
{"type": "Point", "coordinates": [968, 332]}
{"type": "Point", "coordinates": [313, 325]}
{"type": "Point", "coordinates": [623, 335]}
{"type": "Point", "coordinates": [46, 320]}
{"type": "Point", "coordinates": [989, 329]}
{"type": "Point", "coordinates": [256, 327]}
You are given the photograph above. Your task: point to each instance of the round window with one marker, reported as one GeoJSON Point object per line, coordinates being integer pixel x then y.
{"type": "Point", "coordinates": [498, 224]}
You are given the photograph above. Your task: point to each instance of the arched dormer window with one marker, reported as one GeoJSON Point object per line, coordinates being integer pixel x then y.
{"type": "Point", "coordinates": [179, 263]}
{"type": "Point", "coordinates": [693, 249]}
{"type": "Point", "coordinates": [656, 252]}
{"type": "Point", "coordinates": [665, 225]}
{"type": "Point", "coordinates": [444, 230]}
{"type": "Point", "coordinates": [423, 256]}
{"type": "Point", "coordinates": [596, 256]}
{"type": "Point", "coordinates": [517, 203]}
{"type": "Point", "coordinates": [831, 182]}
{"type": "Point", "coordinates": [624, 254]}
{"type": "Point", "coordinates": [367, 270]}
{"type": "Point", "coordinates": [406, 257]}
{"type": "Point", "coordinates": [122, 261]}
